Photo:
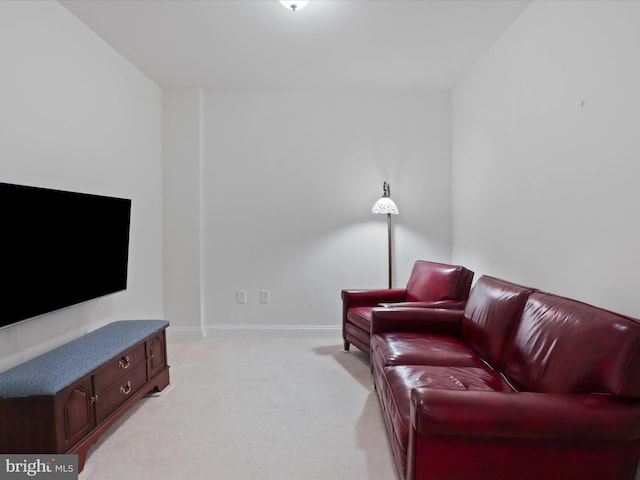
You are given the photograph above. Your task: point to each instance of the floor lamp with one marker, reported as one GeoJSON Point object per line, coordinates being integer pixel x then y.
{"type": "Point", "coordinates": [386, 205]}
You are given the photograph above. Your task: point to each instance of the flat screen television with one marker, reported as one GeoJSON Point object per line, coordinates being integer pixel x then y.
{"type": "Point", "coordinates": [59, 249]}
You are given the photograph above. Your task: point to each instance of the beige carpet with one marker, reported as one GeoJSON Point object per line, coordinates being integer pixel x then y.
{"type": "Point", "coordinates": [250, 409]}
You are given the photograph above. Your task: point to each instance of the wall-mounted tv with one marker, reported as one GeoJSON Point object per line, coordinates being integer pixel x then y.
{"type": "Point", "coordinates": [59, 249]}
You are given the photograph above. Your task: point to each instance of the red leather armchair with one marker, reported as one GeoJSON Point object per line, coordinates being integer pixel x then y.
{"type": "Point", "coordinates": [431, 285]}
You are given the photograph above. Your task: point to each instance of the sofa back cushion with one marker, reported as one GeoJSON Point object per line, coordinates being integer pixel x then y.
{"type": "Point", "coordinates": [565, 346]}
{"type": "Point", "coordinates": [493, 309]}
{"type": "Point", "coordinates": [431, 281]}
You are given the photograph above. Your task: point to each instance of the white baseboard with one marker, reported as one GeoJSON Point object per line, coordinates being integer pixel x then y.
{"type": "Point", "coordinates": [274, 330]}
{"type": "Point", "coordinates": [221, 330]}
{"type": "Point", "coordinates": [184, 333]}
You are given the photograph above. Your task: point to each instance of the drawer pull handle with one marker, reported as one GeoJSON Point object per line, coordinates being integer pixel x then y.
{"type": "Point", "coordinates": [127, 389]}
{"type": "Point", "coordinates": [124, 362]}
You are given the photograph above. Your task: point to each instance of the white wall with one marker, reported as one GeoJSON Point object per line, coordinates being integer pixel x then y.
{"type": "Point", "coordinates": [74, 115]}
{"type": "Point", "coordinates": [289, 179]}
{"type": "Point", "coordinates": [182, 153]}
{"type": "Point", "coordinates": [546, 154]}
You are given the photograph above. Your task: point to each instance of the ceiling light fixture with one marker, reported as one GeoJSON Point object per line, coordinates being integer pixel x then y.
{"type": "Point", "coordinates": [294, 4]}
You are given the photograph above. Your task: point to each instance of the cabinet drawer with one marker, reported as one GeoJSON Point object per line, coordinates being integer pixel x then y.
{"type": "Point", "coordinates": [119, 367]}
{"type": "Point", "coordinates": [120, 391]}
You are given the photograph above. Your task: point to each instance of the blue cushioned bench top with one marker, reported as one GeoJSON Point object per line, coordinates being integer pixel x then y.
{"type": "Point", "coordinates": [51, 372]}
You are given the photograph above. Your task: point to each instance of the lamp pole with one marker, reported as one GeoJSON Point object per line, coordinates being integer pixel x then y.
{"type": "Point", "coordinates": [389, 243]}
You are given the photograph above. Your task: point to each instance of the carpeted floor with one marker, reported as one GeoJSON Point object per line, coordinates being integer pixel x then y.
{"type": "Point", "coordinates": [243, 408]}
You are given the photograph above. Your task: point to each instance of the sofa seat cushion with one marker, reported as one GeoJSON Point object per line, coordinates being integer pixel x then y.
{"type": "Point", "coordinates": [394, 386]}
{"type": "Point", "coordinates": [361, 317]}
{"type": "Point", "coordinates": [406, 348]}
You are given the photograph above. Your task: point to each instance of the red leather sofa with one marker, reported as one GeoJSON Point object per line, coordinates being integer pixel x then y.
{"type": "Point", "coordinates": [521, 384]}
{"type": "Point", "coordinates": [431, 284]}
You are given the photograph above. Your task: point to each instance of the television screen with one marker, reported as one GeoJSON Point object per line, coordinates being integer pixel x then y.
{"type": "Point", "coordinates": [59, 249]}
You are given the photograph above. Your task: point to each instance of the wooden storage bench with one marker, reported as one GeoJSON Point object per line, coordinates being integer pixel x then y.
{"type": "Point", "coordinates": [63, 400]}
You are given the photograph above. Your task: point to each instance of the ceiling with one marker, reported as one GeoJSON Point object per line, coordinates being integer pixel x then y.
{"type": "Point", "coordinates": [330, 44]}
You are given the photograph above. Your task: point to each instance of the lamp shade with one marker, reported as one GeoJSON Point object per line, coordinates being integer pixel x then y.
{"type": "Point", "coordinates": [385, 204]}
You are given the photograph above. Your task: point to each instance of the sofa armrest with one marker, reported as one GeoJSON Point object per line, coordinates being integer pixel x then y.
{"type": "Point", "coordinates": [523, 415]}
{"type": "Point", "coordinates": [447, 304]}
{"type": "Point", "coordinates": [416, 319]}
{"type": "Point", "coordinates": [371, 298]}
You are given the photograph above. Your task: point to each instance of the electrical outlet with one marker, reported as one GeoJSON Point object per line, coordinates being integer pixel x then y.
{"type": "Point", "coordinates": [241, 296]}
{"type": "Point", "coordinates": [265, 296]}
